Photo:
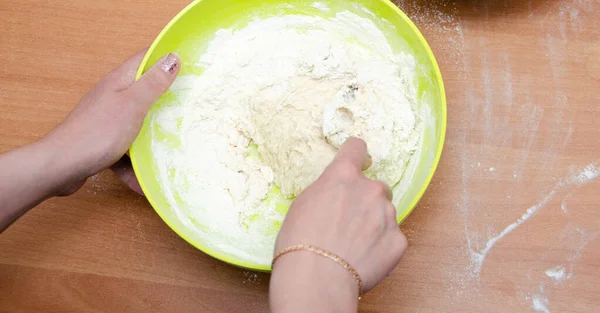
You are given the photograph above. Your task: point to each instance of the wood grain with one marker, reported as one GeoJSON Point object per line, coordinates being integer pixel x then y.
{"type": "Point", "coordinates": [522, 83]}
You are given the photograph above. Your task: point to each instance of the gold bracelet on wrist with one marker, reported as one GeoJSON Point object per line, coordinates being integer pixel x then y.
{"type": "Point", "coordinates": [325, 254]}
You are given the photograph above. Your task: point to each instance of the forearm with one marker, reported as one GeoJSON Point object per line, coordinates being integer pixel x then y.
{"type": "Point", "coordinates": [305, 282]}
{"type": "Point", "coordinates": [30, 175]}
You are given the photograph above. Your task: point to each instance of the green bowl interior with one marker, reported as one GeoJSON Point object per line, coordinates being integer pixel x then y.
{"type": "Point", "coordinates": [191, 31]}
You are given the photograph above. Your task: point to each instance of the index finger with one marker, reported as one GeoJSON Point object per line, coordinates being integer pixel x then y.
{"type": "Point", "coordinates": [354, 151]}
{"type": "Point", "coordinates": [123, 76]}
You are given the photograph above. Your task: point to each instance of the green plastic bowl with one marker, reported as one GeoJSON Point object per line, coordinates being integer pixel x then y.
{"type": "Point", "coordinates": [191, 30]}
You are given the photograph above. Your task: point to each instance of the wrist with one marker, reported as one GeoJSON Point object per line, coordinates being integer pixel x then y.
{"type": "Point", "coordinates": [70, 152]}
{"type": "Point", "coordinates": [64, 167]}
{"type": "Point", "coordinates": [303, 281]}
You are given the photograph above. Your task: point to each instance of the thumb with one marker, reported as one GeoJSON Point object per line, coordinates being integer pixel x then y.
{"type": "Point", "coordinates": [354, 151]}
{"type": "Point", "coordinates": [154, 83]}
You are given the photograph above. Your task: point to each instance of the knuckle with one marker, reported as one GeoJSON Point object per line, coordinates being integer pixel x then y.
{"type": "Point", "coordinates": [156, 80]}
{"type": "Point", "coordinates": [345, 170]}
{"type": "Point", "coordinates": [378, 188]}
{"type": "Point", "coordinates": [373, 225]}
{"type": "Point", "coordinates": [391, 213]}
{"type": "Point", "coordinates": [107, 79]}
{"type": "Point", "coordinates": [400, 243]}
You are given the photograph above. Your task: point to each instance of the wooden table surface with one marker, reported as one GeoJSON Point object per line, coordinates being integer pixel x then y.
{"type": "Point", "coordinates": [509, 224]}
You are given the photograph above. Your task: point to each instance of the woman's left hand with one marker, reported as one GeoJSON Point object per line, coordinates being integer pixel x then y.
{"type": "Point", "coordinates": [95, 136]}
{"type": "Point", "coordinates": [99, 131]}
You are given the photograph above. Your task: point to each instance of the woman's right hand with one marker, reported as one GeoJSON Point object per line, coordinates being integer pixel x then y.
{"type": "Point", "coordinates": [344, 213]}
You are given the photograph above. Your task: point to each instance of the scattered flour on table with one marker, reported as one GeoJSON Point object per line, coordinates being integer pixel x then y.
{"type": "Point", "coordinates": [440, 22]}
{"type": "Point", "coordinates": [563, 272]}
{"type": "Point", "coordinates": [577, 178]}
{"type": "Point", "coordinates": [275, 101]}
{"type": "Point", "coordinates": [556, 273]}
{"type": "Point", "coordinates": [539, 302]}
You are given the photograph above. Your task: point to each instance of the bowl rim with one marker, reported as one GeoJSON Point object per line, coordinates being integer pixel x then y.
{"type": "Point", "coordinates": [400, 218]}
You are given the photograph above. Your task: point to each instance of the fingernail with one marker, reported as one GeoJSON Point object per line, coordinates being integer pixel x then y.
{"type": "Point", "coordinates": [170, 64]}
{"type": "Point", "coordinates": [368, 162]}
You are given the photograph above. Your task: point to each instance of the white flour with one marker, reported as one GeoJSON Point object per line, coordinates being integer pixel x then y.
{"type": "Point", "coordinates": [274, 103]}
{"type": "Point", "coordinates": [556, 273]}
{"type": "Point", "coordinates": [577, 178]}
{"type": "Point", "coordinates": [540, 302]}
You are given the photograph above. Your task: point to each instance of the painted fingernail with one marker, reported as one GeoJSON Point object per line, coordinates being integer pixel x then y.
{"type": "Point", "coordinates": [170, 64]}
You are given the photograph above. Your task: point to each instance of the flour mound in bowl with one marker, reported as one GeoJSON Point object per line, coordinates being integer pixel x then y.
{"type": "Point", "coordinates": [275, 101]}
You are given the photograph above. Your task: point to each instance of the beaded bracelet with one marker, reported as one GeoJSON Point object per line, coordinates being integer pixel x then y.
{"type": "Point", "coordinates": [325, 254]}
